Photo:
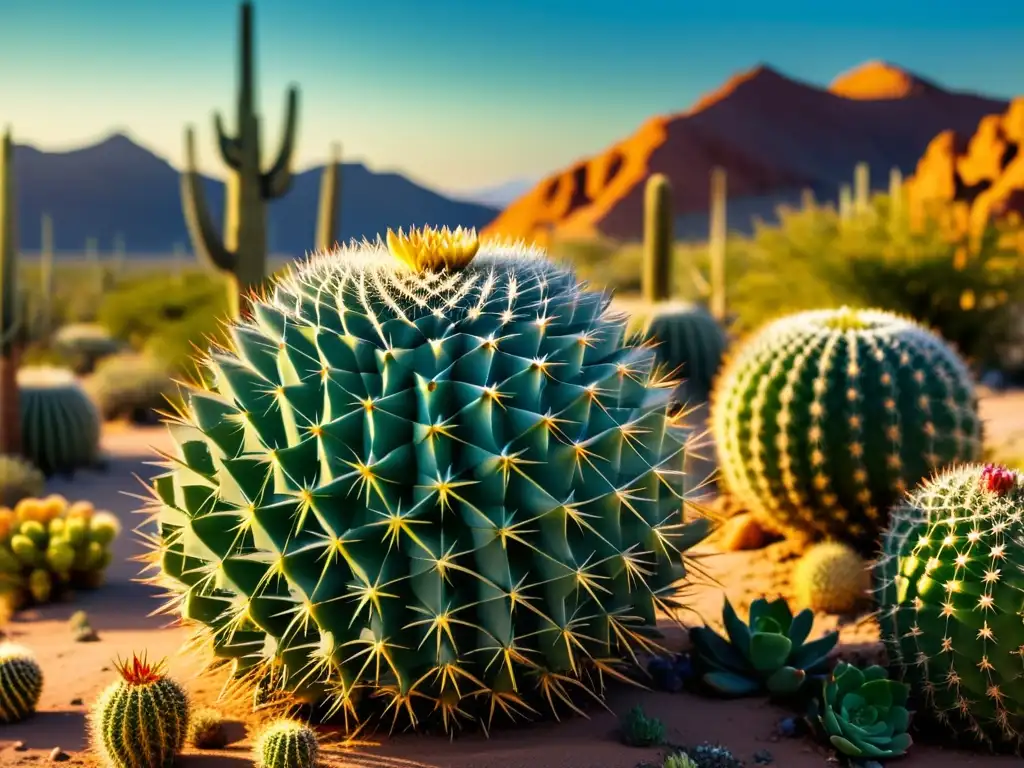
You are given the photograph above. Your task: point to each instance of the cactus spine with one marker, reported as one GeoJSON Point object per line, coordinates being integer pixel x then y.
{"type": "Point", "coordinates": [10, 305]}
{"type": "Point", "coordinates": [242, 252]}
{"type": "Point", "coordinates": [659, 229]}
{"type": "Point", "coordinates": [717, 243]}
{"type": "Point", "coordinates": [327, 223]}
{"type": "Point", "coordinates": [21, 683]}
{"type": "Point", "coordinates": [141, 720]}
{"type": "Point", "coordinates": [287, 744]}
{"type": "Point", "coordinates": [862, 188]}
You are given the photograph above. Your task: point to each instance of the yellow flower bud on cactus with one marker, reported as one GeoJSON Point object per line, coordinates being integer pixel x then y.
{"type": "Point", "coordinates": [52, 507]}
{"type": "Point", "coordinates": [27, 509]}
{"type": "Point", "coordinates": [434, 250]}
{"type": "Point", "coordinates": [831, 578]}
{"type": "Point", "coordinates": [6, 522]}
{"type": "Point", "coordinates": [25, 549]}
{"type": "Point", "coordinates": [40, 585]}
{"type": "Point", "coordinates": [94, 556]}
{"type": "Point", "coordinates": [60, 557]}
{"type": "Point", "coordinates": [35, 530]}
{"type": "Point", "coordinates": [76, 530]}
{"type": "Point", "coordinates": [56, 527]}
{"type": "Point", "coordinates": [81, 509]}
{"type": "Point", "coordinates": [104, 528]}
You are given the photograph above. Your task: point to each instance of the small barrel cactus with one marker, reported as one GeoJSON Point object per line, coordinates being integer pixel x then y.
{"type": "Point", "coordinates": [948, 587]}
{"type": "Point", "coordinates": [449, 460]}
{"type": "Point", "coordinates": [60, 424]}
{"type": "Point", "coordinates": [21, 683]}
{"type": "Point", "coordinates": [132, 386]}
{"type": "Point", "coordinates": [287, 744]}
{"type": "Point", "coordinates": [141, 720]}
{"type": "Point", "coordinates": [690, 344]}
{"type": "Point", "coordinates": [823, 419]}
{"type": "Point", "coordinates": [831, 578]}
{"type": "Point", "coordinates": [206, 730]}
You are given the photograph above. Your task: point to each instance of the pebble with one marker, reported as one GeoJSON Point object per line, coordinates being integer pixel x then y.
{"type": "Point", "coordinates": [19, 746]}
{"type": "Point", "coordinates": [58, 755]}
{"type": "Point", "coordinates": [76, 702]}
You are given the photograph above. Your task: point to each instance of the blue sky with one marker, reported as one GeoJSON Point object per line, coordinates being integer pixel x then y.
{"type": "Point", "coordinates": [458, 94]}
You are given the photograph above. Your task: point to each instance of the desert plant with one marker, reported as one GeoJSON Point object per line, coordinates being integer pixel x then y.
{"type": "Point", "coordinates": [463, 449]}
{"type": "Point", "coordinates": [241, 255]}
{"type": "Point", "coordinates": [60, 424]}
{"type": "Point", "coordinates": [708, 755]}
{"type": "Point", "coordinates": [21, 683]}
{"type": "Point", "coordinates": [18, 480]}
{"type": "Point", "coordinates": [767, 655]}
{"type": "Point", "coordinates": [679, 760]}
{"type": "Point", "coordinates": [659, 234]}
{"type": "Point", "coordinates": [831, 578]}
{"type": "Point", "coordinates": [636, 729]}
{"type": "Point", "coordinates": [690, 344]}
{"type": "Point", "coordinates": [824, 418]}
{"type": "Point", "coordinates": [141, 720]}
{"type": "Point", "coordinates": [947, 587]}
{"type": "Point", "coordinates": [132, 386]}
{"type": "Point", "coordinates": [287, 744]}
{"type": "Point", "coordinates": [83, 345]}
{"type": "Point", "coordinates": [206, 730]}
{"type": "Point", "coordinates": [863, 713]}
{"type": "Point", "coordinates": [327, 224]}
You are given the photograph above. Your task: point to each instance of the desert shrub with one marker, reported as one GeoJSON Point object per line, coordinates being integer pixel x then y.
{"type": "Point", "coordinates": [132, 386]}
{"type": "Point", "coordinates": [83, 345]}
{"type": "Point", "coordinates": [19, 480]}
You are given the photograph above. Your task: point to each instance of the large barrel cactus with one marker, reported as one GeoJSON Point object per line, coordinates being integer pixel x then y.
{"type": "Point", "coordinates": [60, 425]}
{"type": "Point", "coordinates": [690, 344]}
{"type": "Point", "coordinates": [439, 479]}
{"type": "Point", "coordinates": [823, 419]}
{"type": "Point", "coordinates": [950, 595]}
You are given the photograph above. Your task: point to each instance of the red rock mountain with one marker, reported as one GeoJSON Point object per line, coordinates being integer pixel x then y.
{"type": "Point", "coordinates": [774, 136]}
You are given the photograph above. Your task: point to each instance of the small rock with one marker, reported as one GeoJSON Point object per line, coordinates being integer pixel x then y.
{"type": "Point", "coordinates": [104, 669]}
{"type": "Point", "coordinates": [763, 757]}
{"type": "Point", "coordinates": [19, 746]}
{"type": "Point", "coordinates": [76, 702]}
{"type": "Point", "coordinates": [86, 635]}
{"type": "Point", "coordinates": [58, 755]}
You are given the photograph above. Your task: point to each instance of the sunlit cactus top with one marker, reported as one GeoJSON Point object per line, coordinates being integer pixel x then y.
{"type": "Point", "coordinates": [136, 671]}
{"type": "Point", "coordinates": [428, 471]}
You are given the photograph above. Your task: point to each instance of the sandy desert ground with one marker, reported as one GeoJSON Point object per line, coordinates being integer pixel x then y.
{"type": "Point", "coordinates": [76, 672]}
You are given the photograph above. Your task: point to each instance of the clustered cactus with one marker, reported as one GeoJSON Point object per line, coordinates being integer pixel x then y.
{"type": "Point", "coordinates": [141, 720]}
{"type": "Point", "coordinates": [636, 729]}
{"type": "Point", "coordinates": [206, 730]}
{"type": "Point", "coordinates": [48, 545]}
{"type": "Point", "coordinates": [60, 425]}
{"type": "Point", "coordinates": [948, 590]}
{"type": "Point", "coordinates": [287, 744]}
{"type": "Point", "coordinates": [831, 578]}
{"type": "Point", "coordinates": [429, 470]}
{"type": "Point", "coordinates": [21, 683]}
{"type": "Point", "coordinates": [824, 418]}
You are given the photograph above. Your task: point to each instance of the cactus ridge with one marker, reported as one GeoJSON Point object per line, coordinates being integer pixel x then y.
{"type": "Point", "coordinates": [141, 720]}
{"type": "Point", "coordinates": [21, 683]}
{"type": "Point", "coordinates": [950, 590]}
{"type": "Point", "coordinates": [442, 488]}
{"type": "Point", "coordinates": [287, 744]}
{"type": "Point", "coordinates": [823, 419]}
{"type": "Point", "coordinates": [60, 425]}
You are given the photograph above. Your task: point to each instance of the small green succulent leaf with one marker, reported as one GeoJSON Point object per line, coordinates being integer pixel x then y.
{"type": "Point", "coordinates": [729, 684]}
{"type": "Point", "coordinates": [769, 651]}
{"type": "Point", "coordinates": [713, 650]}
{"type": "Point", "coordinates": [785, 681]}
{"type": "Point", "coordinates": [899, 719]}
{"type": "Point", "coordinates": [800, 628]}
{"type": "Point", "coordinates": [874, 672]}
{"type": "Point", "coordinates": [813, 656]}
{"type": "Point", "coordinates": [899, 744]}
{"type": "Point", "coordinates": [758, 609]}
{"type": "Point", "coordinates": [845, 746]}
{"type": "Point", "coordinates": [878, 693]}
{"type": "Point", "coordinates": [778, 611]}
{"type": "Point", "coordinates": [739, 633]}
{"type": "Point", "coordinates": [847, 678]}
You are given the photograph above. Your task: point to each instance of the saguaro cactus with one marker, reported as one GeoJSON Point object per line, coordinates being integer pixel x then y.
{"type": "Point", "coordinates": [10, 314]}
{"type": "Point", "coordinates": [242, 251]}
{"type": "Point", "coordinates": [327, 222]}
{"type": "Point", "coordinates": [717, 235]}
{"type": "Point", "coordinates": [895, 193]}
{"type": "Point", "coordinates": [861, 188]}
{"type": "Point", "coordinates": [658, 234]}
{"type": "Point", "coordinates": [46, 274]}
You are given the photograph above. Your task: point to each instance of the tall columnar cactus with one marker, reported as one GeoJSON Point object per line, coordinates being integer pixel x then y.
{"type": "Point", "coordinates": [717, 240]}
{"type": "Point", "coordinates": [21, 683]}
{"type": "Point", "coordinates": [824, 418]}
{"type": "Point", "coordinates": [659, 233]}
{"type": "Point", "coordinates": [287, 744]}
{"type": "Point", "coordinates": [241, 253]}
{"type": "Point", "coordinates": [327, 222]}
{"type": "Point", "coordinates": [895, 194]}
{"type": "Point", "coordinates": [47, 282]}
{"type": "Point", "coordinates": [845, 202]}
{"type": "Point", "coordinates": [948, 587]}
{"type": "Point", "coordinates": [862, 188]}
{"type": "Point", "coordinates": [10, 308]}
{"type": "Point", "coordinates": [118, 262]}
{"type": "Point", "coordinates": [141, 720]}
{"type": "Point", "coordinates": [432, 471]}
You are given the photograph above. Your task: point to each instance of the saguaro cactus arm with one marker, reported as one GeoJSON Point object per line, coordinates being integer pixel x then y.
{"type": "Point", "coordinates": [230, 148]}
{"type": "Point", "coordinates": [276, 181]}
{"type": "Point", "coordinates": [206, 240]}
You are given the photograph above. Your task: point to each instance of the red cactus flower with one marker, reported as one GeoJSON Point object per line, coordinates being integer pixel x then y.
{"type": "Point", "coordinates": [140, 671]}
{"type": "Point", "coordinates": [998, 479]}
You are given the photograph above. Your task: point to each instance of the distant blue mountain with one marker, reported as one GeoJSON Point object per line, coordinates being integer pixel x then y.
{"type": "Point", "coordinates": [118, 187]}
{"type": "Point", "coordinates": [499, 195]}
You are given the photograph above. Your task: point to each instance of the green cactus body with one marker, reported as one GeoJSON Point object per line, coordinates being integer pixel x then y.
{"type": "Point", "coordinates": [824, 418]}
{"type": "Point", "coordinates": [60, 424]}
{"type": "Point", "coordinates": [691, 345]}
{"type": "Point", "coordinates": [831, 578]}
{"type": "Point", "coordinates": [327, 222]}
{"type": "Point", "coordinates": [436, 486]}
{"type": "Point", "coordinates": [287, 744]}
{"type": "Point", "coordinates": [141, 720]}
{"type": "Point", "coordinates": [241, 253]}
{"type": "Point", "coordinates": [948, 587]}
{"type": "Point", "coordinates": [10, 309]}
{"type": "Point", "coordinates": [21, 683]}
{"type": "Point", "coordinates": [718, 236]}
{"type": "Point", "coordinates": [659, 234]}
